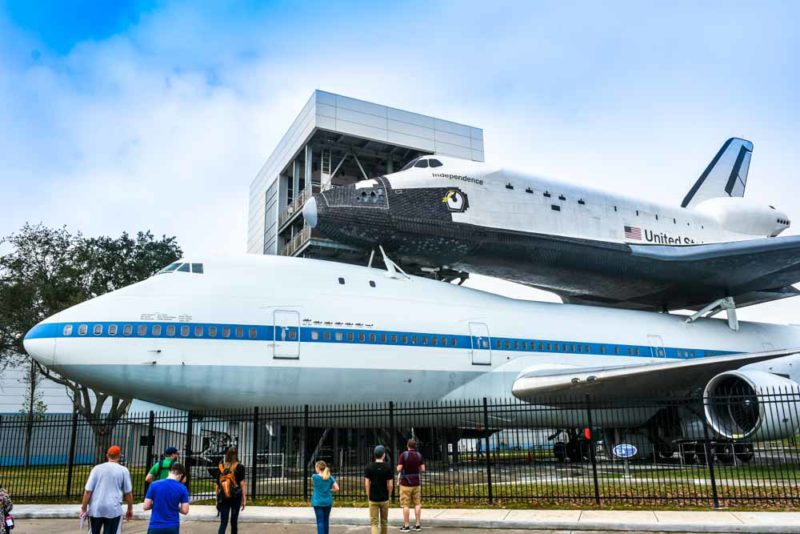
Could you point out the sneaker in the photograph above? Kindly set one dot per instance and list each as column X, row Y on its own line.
column 417, row 528
column 405, row 528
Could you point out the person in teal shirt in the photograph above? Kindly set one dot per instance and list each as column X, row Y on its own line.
column 322, row 498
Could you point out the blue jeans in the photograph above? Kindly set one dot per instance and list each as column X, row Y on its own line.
column 323, row 514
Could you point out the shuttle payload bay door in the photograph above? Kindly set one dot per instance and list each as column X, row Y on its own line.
column 287, row 334
column 481, row 344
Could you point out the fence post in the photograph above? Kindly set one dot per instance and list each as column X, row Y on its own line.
column 591, row 449
column 304, row 454
column 710, row 462
column 151, row 437
column 394, row 439
column 71, row 458
column 254, row 471
column 488, row 452
column 189, row 459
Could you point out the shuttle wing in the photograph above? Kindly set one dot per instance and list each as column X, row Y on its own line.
column 609, row 384
column 692, row 276
column 751, row 271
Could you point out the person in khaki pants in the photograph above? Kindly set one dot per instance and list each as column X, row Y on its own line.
column 378, row 482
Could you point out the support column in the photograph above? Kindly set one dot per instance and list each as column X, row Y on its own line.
column 295, row 180
column 309, row 168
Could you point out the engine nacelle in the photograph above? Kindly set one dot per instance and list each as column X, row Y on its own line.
column 743, row 216
column 753, row 405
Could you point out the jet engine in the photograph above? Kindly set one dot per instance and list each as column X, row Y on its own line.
column 751, row 404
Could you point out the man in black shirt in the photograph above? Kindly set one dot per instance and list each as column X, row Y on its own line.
column 379, row 481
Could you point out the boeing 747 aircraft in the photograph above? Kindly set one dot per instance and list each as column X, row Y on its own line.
column 277, row 331
column 716, row 249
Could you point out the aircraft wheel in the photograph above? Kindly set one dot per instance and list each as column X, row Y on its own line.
column 574, row 451
column 665, row 453
column 744, row 452
column 724, row 453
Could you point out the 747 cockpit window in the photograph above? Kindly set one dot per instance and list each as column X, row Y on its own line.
column 169, row 268
column 182, row 267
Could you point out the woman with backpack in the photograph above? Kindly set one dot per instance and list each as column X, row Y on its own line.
column 322, row 499
column 231, row 490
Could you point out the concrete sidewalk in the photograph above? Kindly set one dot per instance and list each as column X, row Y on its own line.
column 569, row 520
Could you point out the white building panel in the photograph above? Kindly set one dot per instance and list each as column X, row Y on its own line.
column 411, row 129
column 411, row 141
column 411, row 118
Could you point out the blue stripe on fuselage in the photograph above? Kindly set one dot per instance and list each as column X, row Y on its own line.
column 357, row 336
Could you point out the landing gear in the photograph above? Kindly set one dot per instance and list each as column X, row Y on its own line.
column 725, row 452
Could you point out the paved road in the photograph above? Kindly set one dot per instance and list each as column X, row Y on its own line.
column 63, row 526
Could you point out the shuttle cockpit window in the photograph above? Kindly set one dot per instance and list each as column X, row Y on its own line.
column 434, row 162
column 182, row 267
column 185, row 268
column 409, row 164
column 421, row 164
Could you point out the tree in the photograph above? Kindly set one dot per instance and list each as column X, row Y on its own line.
column 49, row 270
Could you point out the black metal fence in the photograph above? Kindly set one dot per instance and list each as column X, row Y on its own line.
column 737, row 449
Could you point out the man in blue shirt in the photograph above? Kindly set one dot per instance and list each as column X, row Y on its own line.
column 167, row 498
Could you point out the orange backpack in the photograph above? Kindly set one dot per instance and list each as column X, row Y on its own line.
column 227, row 488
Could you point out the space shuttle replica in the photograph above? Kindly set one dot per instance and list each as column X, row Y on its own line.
column 717, row 250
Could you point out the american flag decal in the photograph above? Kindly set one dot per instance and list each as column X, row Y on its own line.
column 633, row 232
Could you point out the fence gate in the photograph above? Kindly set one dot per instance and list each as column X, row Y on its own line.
column 481, row 344
column 287, row 334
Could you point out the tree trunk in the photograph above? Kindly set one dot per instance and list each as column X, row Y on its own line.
column 30, row 401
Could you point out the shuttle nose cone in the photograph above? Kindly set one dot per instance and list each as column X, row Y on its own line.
column 310, row 212
column 39, row 346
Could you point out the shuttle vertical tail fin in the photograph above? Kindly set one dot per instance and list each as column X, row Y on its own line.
column 725, row 176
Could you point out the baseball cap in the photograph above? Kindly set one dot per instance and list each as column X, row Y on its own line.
column 114, row 450
column 379, row 451
column 170, row 450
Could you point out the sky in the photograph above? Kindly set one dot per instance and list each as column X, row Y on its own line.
column 134, row 115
